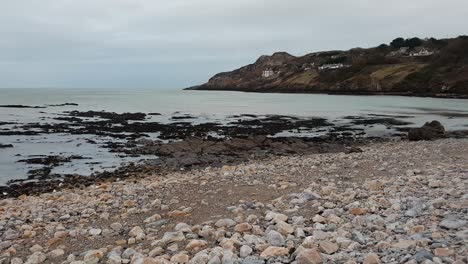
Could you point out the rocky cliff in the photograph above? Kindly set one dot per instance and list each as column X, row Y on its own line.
column 429, row 67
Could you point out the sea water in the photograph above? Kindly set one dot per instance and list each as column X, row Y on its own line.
column 206, row 105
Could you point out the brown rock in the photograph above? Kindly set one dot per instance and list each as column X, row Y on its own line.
column 429, row 131
column 375, row 185
column 196, row 245
column 443, row 252
column 328, row 247
column 309, row 256
column 371, row 258
column 272, row 251
column 243, row 227
column 177, row 213
column 180, row 258
column 358, row 211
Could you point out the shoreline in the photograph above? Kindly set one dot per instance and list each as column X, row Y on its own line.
column 354, row 93
column 183, row 145
column 395, row 201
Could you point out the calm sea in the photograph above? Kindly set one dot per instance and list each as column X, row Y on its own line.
column 208, row 106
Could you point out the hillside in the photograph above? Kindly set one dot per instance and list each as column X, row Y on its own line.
column 429, row 67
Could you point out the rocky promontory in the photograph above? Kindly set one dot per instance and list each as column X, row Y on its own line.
column 414, row 67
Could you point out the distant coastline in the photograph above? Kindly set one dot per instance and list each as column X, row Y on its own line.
column 412, row 67
column 353, row 93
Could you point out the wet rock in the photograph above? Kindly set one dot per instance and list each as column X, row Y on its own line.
column 429, row 131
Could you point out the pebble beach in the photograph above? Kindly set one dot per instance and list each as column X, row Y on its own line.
column 395, row 202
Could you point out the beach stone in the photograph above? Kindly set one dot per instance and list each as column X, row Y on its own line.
column 183, row 227
column 93, row 256
column 56, row 253
column 276, row 217
column 371, row 258
column 114, row 258
column 60, row 234
column 309, row 256
column 319, row 219
column 243, row 227
column 95, row 231
column 273, row 251
column 36, row 248
column 284, row 228
column 225, row 223
column 274, row 238
column 129, row 253
column 116, row 226
column 137, row 232
column 357, row 211
column 375, row 185
column 245, row 251
column 157, row 224
column 405, row 244
column 328, row 247
column 196, row 245
column 171, row 237
column 200, row 258
column 215, row 260
column 443, row 252
column 152, row 218
column 16, row 261
column 452, row 222
column 422, row 255
column 36, row 258
column 228, row 257
column 180, row 258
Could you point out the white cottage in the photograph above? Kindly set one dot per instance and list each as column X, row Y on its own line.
column 268, row 73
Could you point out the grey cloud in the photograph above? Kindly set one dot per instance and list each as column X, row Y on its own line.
column 161, row 44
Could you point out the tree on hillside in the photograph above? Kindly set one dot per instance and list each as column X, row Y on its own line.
column 398, row 43
column 382, row 47
column 413, row 42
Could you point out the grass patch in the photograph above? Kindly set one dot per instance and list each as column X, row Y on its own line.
column 306, row 77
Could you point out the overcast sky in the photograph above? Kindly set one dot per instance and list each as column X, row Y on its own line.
column 179, row 43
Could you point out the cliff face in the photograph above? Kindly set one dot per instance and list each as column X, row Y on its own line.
column 432, row 68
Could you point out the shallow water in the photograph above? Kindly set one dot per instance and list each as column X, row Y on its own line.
column 207, row 105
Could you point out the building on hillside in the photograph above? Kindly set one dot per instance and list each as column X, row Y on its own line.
column 308, row 66
column 400, row 52
column 331, row 66
column 268, row 73
column 421, row 53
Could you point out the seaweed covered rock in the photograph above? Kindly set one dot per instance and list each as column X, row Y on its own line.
column 429, row 131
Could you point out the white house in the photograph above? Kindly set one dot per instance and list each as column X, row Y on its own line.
column 268, row 73
column 331, row 66
column 421, row 53
column 401, row 52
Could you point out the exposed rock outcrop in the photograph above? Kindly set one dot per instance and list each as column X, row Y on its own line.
column 437, row 68
column 429, row 131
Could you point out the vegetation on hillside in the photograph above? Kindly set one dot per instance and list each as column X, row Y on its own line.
column 413, row 66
